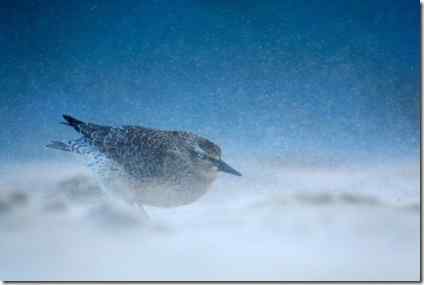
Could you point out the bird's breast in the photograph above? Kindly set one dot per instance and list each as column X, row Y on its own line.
column 173, row 193
column 172, row 186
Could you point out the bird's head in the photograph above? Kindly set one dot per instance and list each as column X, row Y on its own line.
column 208, row 154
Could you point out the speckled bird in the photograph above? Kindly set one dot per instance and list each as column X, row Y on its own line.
column 147, row 166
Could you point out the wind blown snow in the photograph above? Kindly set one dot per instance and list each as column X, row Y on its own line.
column 277, row 222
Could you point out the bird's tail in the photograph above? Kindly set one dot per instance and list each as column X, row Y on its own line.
column 79, row 146
column 60, row 146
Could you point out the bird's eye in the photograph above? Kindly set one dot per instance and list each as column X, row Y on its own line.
column 199, row 154
column 199, row 151
column 206, row 151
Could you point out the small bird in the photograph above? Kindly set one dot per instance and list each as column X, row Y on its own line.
column 147, row 166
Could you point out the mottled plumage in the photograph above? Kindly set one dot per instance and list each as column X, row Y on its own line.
column 148, row 166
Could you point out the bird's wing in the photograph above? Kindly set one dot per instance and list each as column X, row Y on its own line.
column 94, row 133
column 140, row 151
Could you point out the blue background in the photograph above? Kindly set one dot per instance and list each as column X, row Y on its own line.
column 263, row 78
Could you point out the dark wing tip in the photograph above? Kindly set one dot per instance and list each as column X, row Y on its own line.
column 71, row 121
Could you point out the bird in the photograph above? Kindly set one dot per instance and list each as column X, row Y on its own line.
column 146, row 166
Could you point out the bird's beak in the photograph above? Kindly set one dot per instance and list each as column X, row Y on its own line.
column 222, row 166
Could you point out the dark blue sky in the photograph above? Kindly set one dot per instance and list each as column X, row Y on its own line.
column 334, row 76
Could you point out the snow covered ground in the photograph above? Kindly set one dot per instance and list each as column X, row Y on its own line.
column 277, row 222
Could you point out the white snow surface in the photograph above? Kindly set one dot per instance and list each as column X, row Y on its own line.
column 285, row 222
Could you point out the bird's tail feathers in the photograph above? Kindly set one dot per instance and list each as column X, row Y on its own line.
column 59, row 145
